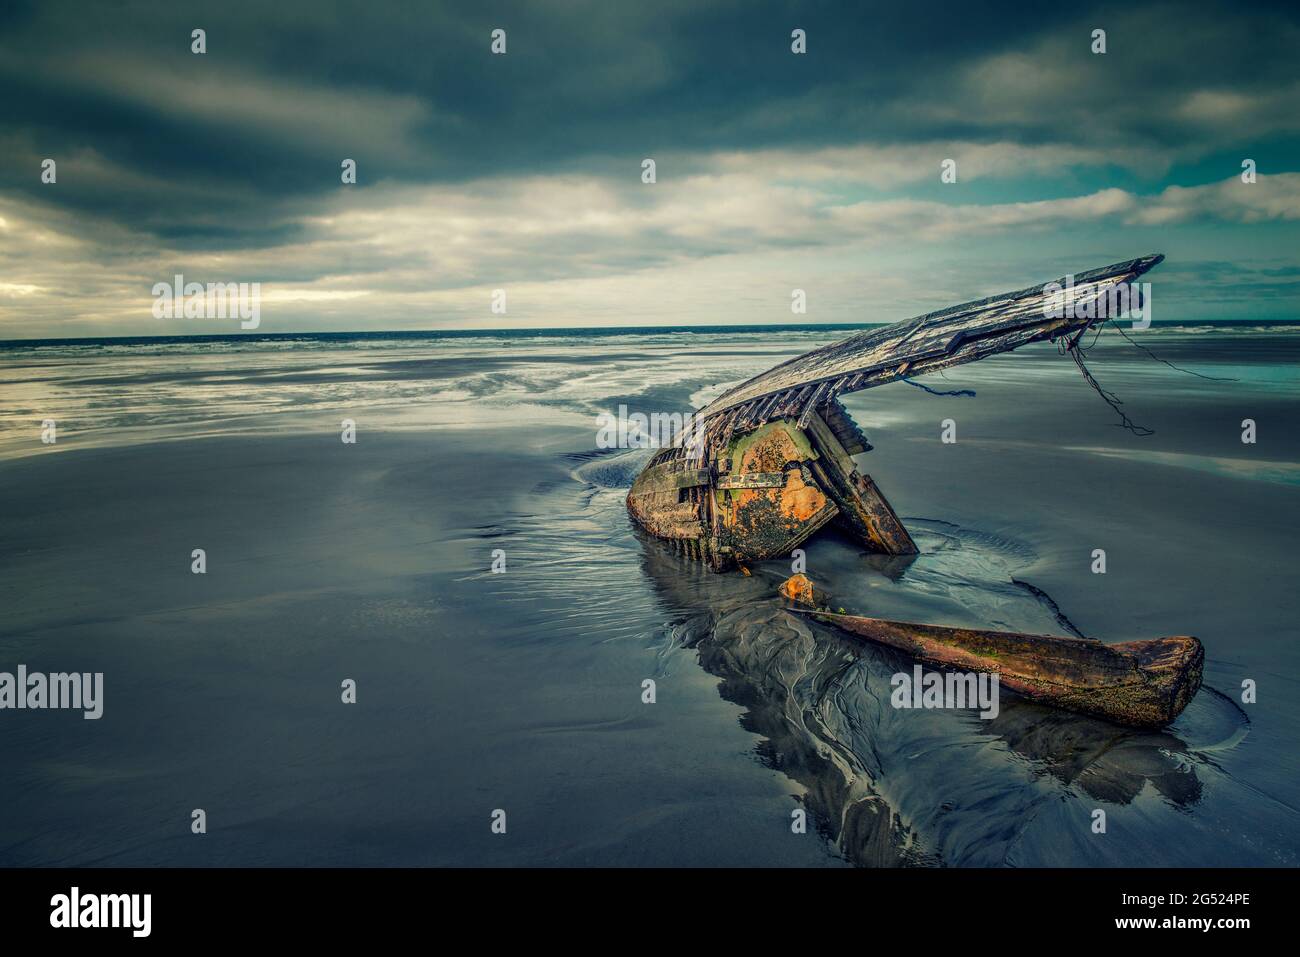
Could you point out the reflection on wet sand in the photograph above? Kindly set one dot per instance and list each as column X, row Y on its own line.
column 820, row 702
column 1107, row 762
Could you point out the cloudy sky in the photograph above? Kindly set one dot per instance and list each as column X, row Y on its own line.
column 775, row 171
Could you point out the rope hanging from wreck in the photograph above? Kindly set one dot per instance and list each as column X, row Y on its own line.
column 969, row 392
column 1078, row 351
column 1110, row 398
column 1137, row 345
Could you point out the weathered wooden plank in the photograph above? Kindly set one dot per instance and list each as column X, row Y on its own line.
column 958, row 334
column 666, row 520
column 667, row 478
column 887, row 530
column 765, row 409
column 845, row 429
column 752, row 480
column 863, row 508
column 825, row 442
column 810, row 407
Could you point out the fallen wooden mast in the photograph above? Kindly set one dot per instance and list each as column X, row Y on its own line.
column 1143, row 684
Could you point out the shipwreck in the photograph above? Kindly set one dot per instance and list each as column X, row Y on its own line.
column 771, row 461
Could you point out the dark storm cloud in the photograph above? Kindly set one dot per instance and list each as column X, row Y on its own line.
column 232, row 148
column 479, row 171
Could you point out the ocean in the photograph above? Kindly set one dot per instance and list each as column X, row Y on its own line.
column 519, row 695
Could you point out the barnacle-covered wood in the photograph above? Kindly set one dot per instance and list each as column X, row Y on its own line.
column 1144, row 684
column 760, row 518
column 928, row 343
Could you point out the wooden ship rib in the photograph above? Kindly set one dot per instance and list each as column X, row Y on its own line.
column 768, row 463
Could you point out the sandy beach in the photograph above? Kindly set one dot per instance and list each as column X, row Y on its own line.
column 522, row 691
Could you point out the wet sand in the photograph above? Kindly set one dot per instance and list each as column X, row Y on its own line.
column 328, row 562
column 522, row 690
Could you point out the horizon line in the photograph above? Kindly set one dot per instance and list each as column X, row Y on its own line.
column 532, row 330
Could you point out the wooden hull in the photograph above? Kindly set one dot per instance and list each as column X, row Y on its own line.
column 764, row 494
column 1144, row 684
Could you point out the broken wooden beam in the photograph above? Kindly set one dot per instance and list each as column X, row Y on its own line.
column 945, row 338
column 863, row 509
column 1142, row 684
